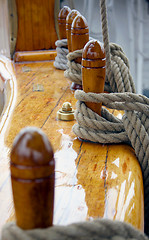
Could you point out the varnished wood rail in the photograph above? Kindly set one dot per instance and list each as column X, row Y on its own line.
column 92, row 180
column 32, row 56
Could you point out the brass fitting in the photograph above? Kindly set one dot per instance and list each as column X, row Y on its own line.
column 66, row 113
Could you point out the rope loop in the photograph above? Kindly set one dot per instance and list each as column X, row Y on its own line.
column 62, row 51
column 98, row 229
column 133, row 127
column 74, row 69
column 121, row 80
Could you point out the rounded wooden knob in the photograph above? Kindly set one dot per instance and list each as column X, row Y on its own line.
column 69, row 20
column 32, row 175
column 93, row 71
column 62, row 21
column 79, row 34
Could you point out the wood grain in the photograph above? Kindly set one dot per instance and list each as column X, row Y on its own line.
column 93, row 71
column 62, row 21
column 36, row 28
column 92, row 180
column 29, row 56
column 79, row 34
column 33, row 179
column 69, row 20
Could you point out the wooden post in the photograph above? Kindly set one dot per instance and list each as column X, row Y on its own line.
column 62, row 21
column 32, row 175
column 79, row 37
column 79, row 34
column 69, row 20
column 93, row 71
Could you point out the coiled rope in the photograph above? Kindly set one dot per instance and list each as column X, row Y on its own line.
column 74, row 72
column 102, row 229
column 74, row 69
column 134, row 126
column 62, row 51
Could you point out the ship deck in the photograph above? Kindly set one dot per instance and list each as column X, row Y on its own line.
column 86, row 173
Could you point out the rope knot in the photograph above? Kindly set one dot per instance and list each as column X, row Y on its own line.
column 131, row 128
column 117, row 72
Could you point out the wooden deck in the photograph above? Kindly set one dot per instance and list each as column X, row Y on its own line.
column 92, row 180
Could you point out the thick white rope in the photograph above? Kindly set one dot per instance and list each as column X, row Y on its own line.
column 134, row 127
column 137, row 134
column 101, row 229
column 62, row 51
column 74, row 69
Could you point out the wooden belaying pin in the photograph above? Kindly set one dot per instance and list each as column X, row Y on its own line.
column 79, row 37
column 93, row 71
column 69, row 20
column 79, row 34
column 62, row 21
column 32, row 174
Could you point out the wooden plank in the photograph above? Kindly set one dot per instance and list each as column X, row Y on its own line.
column 36, row 28
column 20, row 44
column 121, row 188
column 85, row 172
column 29, row 56
column 46, row 25
column 28, row 26
column 52, row 26
column 35, row 24
column 42, row 28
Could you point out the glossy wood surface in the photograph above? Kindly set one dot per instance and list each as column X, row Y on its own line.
column 92, row 180
column 79, row 34
column 29, row 56
column 93, row 71
column 36, row 27
column 69, row 20
column 63, row 13
column 32, row 168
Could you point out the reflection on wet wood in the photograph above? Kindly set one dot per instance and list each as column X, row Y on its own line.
column 29, row 56
column 62, row 21
column 93, row 71
column 69, row 20
column 79, row 34
column 92, row 180
column 32, row 167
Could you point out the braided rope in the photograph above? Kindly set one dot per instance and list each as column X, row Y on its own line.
column 74, row 69
column 102, row 229
column 134, row 126
column 138, row 132
column 74, row 72
column 62, row 51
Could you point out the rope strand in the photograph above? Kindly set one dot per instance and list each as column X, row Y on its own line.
column 62, row 51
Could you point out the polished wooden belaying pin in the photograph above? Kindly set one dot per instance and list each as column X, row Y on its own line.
column 79, row 37
column 32, row 174
column 69, row 20
column 79, row 34
column 62, row 21
column 93, row 71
